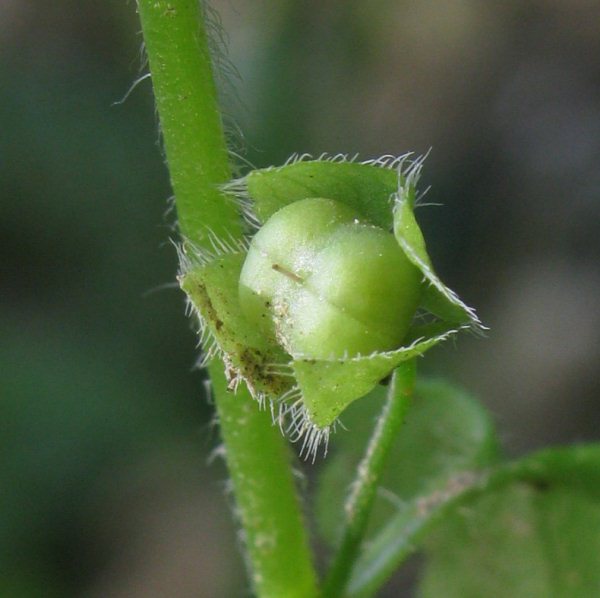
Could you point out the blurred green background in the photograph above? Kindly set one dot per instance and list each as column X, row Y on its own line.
column 105, row 429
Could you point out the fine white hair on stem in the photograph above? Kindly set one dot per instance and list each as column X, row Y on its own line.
column 170, row 211
column 139, row 80
column 219, row 452
column 227, row 79
column 207, row 385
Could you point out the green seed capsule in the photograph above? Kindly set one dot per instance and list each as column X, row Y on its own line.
column 325, row 283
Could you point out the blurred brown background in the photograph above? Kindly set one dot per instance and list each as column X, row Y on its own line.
column 104, row 429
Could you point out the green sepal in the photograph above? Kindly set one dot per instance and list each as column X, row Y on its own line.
column 212, row 288
column 328, row 387
column 437, row 298
column 366, row 187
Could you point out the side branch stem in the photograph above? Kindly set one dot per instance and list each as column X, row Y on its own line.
column 360, row 500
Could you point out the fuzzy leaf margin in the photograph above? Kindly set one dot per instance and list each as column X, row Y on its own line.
column 329, row 386
column 212, row 289
column 368, row 187
column 438, row 299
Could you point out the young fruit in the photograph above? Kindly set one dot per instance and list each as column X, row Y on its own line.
column 318, row 309
column 325, row 283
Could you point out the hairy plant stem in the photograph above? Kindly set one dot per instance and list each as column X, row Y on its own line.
column 360, row 500
column 257, row 456
column 190, row 120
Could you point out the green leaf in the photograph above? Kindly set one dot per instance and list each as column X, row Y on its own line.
column 524, row 541
column 368, row 188
column 571, row 470
column 446, row 431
